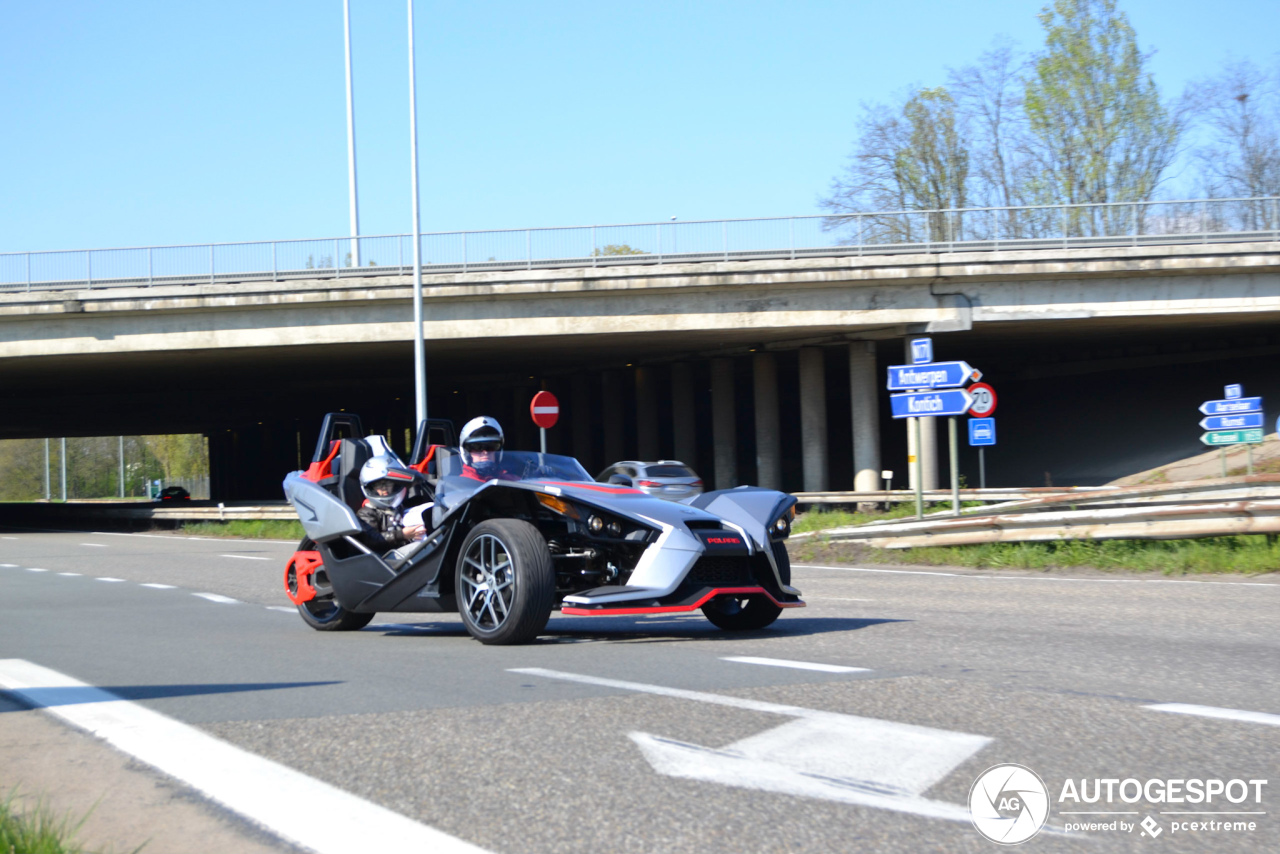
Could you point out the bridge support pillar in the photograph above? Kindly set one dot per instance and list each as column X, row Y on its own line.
column 864, row 395
column 723, row 428
column 646, row 414
column 928, row 450
column 768, row 439
column 683, row 419
column 813, row 419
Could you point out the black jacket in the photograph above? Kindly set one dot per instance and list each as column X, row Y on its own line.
column 384, row 529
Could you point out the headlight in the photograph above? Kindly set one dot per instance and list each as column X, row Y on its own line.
column 596, row 524
column 780, row 526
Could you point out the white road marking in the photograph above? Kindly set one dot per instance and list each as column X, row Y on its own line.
column 1034, row 577
column 70, row 574
column 823, row 755
column 245, row 557
column 837, row 599
column 108, row 578
column 154, row 586
column 9, row 565
column 36, row 569
column 214, row 597
column 9, row 538
column 280, row 799
column 1215, row 712
column 796, row 665
column 282, row 608
column 94, row 545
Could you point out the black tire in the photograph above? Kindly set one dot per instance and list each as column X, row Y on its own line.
column 741, row 614
column 323, row 613
column 505, row 582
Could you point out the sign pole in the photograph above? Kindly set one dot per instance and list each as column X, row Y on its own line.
column 1249, row 451
column 982, row 468
column 543, row 431
column 1224, row 461
column 955, row 467
column 919, row 473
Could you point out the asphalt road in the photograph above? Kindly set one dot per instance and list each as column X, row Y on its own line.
column 643, row 735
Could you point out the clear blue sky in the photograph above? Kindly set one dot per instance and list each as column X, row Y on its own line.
column 149, row 123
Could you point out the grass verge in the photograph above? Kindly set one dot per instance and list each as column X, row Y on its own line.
column 1245, row 554
column 264, row 529
column 36, row 831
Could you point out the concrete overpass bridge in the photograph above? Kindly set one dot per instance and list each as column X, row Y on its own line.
column 765, row 368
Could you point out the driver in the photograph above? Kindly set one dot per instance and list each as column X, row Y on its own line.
column 385, row 483
column 481, row 443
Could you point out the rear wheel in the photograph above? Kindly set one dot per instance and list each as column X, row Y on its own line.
column 505, row 582
column 322, row 612
column 741, row 613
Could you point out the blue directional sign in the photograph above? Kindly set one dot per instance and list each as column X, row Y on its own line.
column 982, row 431
column 921, row 350
column 931, row 375
column 920, row 404
column 1231, row 407
column 1231, row 422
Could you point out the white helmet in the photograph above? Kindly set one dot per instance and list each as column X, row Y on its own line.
column 385, row 482
column 482, row 434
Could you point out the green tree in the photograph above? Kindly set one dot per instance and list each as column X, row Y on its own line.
column 614, row 249
column 1098, row 130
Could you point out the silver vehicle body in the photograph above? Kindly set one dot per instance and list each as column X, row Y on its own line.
column 669, row 479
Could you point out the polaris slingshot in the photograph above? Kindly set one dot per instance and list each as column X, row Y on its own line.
column 506, row 552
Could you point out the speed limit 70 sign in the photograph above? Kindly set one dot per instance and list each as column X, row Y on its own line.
column 984, row 400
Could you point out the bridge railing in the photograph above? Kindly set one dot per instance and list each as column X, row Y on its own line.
column 871, row 233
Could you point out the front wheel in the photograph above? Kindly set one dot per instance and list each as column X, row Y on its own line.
column 741, row 613
column 308, row 586
column 505, row 582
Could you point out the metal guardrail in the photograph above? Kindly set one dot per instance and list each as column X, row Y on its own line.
column 872, row 233
column 1209, row 508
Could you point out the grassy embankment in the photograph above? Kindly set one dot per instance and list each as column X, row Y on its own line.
column 265, row 529
column 1250, row 555
column 37, row 830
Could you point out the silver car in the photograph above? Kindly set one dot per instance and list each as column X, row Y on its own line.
column 670, row 479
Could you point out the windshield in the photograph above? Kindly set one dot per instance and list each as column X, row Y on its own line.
column 524, row 465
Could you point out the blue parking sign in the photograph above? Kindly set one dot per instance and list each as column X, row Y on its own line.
column 982, row 432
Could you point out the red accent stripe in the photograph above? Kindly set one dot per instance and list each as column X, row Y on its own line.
column 672, row 609
column 596, row 487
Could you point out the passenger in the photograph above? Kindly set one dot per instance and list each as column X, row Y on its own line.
column 385, row 483
column 481, row 443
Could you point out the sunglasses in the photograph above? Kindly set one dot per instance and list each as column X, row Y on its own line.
column 484, row 446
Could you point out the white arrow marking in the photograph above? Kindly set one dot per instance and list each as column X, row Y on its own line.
column 823, row 755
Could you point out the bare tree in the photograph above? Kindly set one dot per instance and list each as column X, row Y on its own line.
column 912, row 158
column 1241, row 108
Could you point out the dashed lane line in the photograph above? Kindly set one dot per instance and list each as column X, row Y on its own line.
column 70, row 574
column 109, row 579
column 36, row 569
column 1215, row 712
column 157, row 586
column 280, row 799
column 794, row 665
column 214, row 597
column 94, row 545
column 245, row 557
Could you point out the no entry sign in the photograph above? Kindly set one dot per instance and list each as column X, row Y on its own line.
column 545, row 409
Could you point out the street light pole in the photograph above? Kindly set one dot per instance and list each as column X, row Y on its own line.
column 419, row 348
column 351, row 143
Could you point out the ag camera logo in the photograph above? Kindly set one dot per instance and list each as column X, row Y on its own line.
column 1008, row 804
